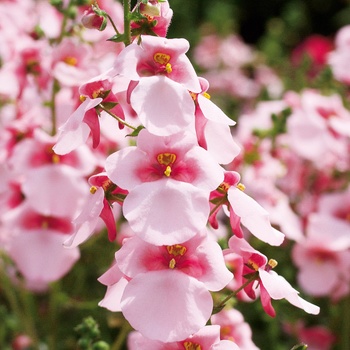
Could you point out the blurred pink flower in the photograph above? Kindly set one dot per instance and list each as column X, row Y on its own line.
column 36, row 246
column 207, row 338
column 233, row 327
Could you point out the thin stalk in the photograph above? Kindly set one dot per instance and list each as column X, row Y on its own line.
column 123, row 333
column 233, row 294
column 117, row 118
column 127, row 28
column 112, row 23
column 55, row 88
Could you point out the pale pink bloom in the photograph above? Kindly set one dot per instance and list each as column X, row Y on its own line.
column 213, row 127
column 323, row 256
column 234, row 328
column 47, row 18
column 244, row 210
column 207, row 338
column 36, row 151
column 55, row 190
column 71, row 63
column 76, row 130
column 199, row 257
column 159, row 68
column 339, row 57
column 158, row 56
column 214, row 52
column 35, row 245
column 170, row 280
column 86, row 118
column 269, row 283
column 318, row 131
column 166, row 305
column 169, row 180
column 99, row 205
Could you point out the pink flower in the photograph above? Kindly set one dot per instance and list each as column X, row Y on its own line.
column 85, row 119
column 72, row 63
column 206, row 338
column 315, row 48
column 271, row 285
column 233, row 327
column 318, row 129
column 242, row 209
column 43, row 234
column 339, row 57
column 169, row 180
column 99, row 205
column 324, row 255
column 159, row 70
column 172, row 284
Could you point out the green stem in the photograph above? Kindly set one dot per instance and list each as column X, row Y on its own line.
column 19, row 301
column 127, row 28
column 117, row 118
column 55, row 88
column 123, row 333
column 112, row 23
column 53, row 315
column 233, row 294
column 64, row 22
column 345, row 325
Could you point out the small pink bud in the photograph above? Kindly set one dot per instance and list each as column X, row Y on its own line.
column 92, row 20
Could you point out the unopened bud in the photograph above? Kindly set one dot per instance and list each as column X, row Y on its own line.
column 92, row 20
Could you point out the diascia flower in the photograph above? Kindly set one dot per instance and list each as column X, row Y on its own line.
column 104, row 193
column 271, row 285
column 242, row 210
column 84, row 121
column 169, row 180
column 171, row 285
column 159, row 70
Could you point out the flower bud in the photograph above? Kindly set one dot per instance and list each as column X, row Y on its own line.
column 93, row 20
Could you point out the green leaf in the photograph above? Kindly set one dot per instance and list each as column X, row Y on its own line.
column 118, row 38
column 136, row 131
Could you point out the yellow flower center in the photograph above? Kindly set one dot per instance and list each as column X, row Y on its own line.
column 175, row 250
column 253, row 265
column 188, row 345
column 163, row 59
column 70, row 60
column 167, row 159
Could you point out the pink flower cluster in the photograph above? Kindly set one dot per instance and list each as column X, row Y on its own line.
column 143, row 133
